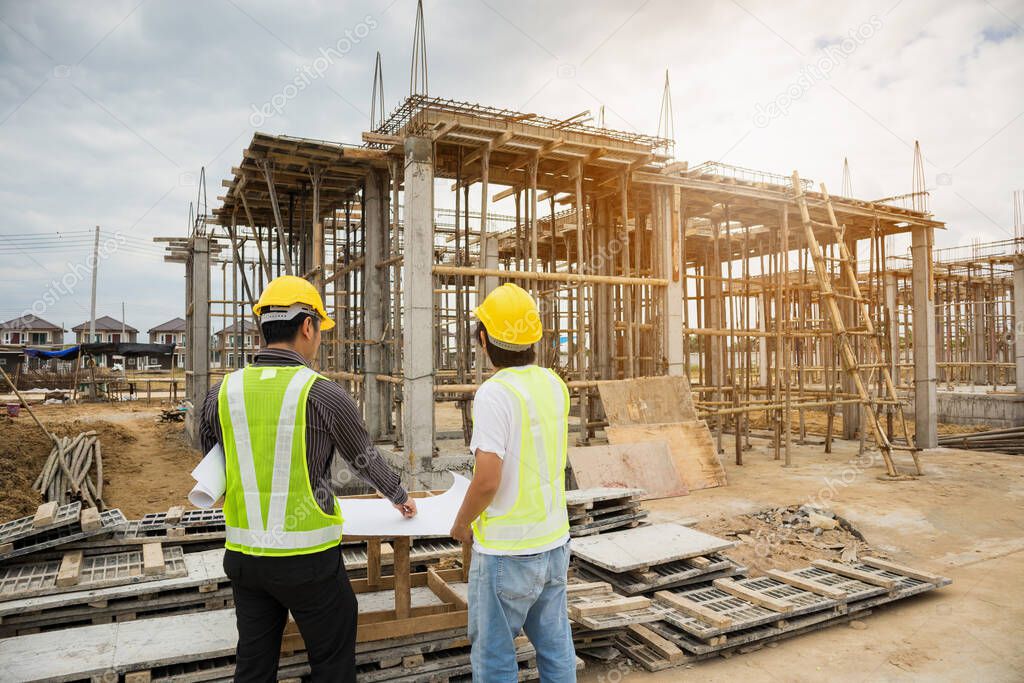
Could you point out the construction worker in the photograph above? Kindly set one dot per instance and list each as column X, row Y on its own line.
column 280, row 424
column 514, row 511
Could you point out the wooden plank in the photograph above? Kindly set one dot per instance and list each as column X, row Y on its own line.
column 403, row 599
column 660, row 645
column 46, row 514
column 879, row 563
column 647, row 400
column 740, row 591
column 851, row 573
column 807, row 584
column 70, row 568
column 643, row 547
column 693, row 609
column 589, row 588
column 153, row 559
column 373, row 562
column 90, row 519
column 443, row 591
column 690, row 443
column 612, row 605
column 648, row 465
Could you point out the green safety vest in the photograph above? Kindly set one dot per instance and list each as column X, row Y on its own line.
column 269, row 507
column 539, row 515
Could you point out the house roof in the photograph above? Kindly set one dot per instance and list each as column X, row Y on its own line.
column 172, row 325
column 246, row 326
column 104, row 324
column 28, row 321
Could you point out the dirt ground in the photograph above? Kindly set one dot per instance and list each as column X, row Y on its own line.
column 964, row 519
column 146, row 464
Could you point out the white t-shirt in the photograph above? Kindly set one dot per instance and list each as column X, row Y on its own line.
column 497, row 424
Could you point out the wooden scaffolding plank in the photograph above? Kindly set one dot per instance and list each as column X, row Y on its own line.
column 693, row 450
column 647, row 465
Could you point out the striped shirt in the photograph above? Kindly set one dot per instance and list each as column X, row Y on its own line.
column 333, row 425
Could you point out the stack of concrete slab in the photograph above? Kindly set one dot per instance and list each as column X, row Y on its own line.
column 647, row 559
column 599, row 510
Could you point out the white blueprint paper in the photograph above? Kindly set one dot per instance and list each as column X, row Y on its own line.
column 209, row 475
column 378, row 517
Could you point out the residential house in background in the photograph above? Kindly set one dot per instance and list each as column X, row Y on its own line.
column 108, row 331
column 235, row 345
column 170, row 332
column 30, row 330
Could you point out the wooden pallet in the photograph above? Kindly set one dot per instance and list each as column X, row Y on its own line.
column 663, row 576
column 713, row 614
column 76, row 571
column 19, row 537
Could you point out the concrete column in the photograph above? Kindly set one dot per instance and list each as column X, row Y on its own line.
column 979, row 337
column 198, row 341
column 925, row 396
column 1018, row 315
column 672, row 270
column 418, row 315
column 374, row 299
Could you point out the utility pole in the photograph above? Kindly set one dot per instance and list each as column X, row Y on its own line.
column 92, row 314
column 95, row 267
column 123, row 332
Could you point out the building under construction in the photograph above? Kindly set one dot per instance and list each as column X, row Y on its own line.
column 775, row 298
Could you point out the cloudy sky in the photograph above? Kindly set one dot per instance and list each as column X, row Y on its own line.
column 109, row 109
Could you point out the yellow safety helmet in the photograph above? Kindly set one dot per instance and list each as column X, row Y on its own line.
column 511, row 318
column 286, row 296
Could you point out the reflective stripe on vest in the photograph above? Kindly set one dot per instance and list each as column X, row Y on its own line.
column 539, row 515
column 269, row 506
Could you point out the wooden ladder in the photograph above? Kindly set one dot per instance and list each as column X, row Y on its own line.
column 843, row 332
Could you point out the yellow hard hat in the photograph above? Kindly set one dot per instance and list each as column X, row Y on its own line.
column 511, row 318
column 286, row 296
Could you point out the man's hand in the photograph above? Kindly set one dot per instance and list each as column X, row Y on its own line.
column 462, row 533
column 408, row 508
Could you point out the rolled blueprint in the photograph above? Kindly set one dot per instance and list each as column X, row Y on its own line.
column 209, row 476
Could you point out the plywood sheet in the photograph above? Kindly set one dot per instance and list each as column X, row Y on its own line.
column 647, row 400
column 647, row 465
column 646, row 546
column 690, row 443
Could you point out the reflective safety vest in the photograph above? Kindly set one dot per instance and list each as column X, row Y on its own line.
column 539, row 515
column 269, row 507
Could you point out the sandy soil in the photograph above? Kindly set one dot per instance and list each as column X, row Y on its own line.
column 964, row 519
column 146, row 464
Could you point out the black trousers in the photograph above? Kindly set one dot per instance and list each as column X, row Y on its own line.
column 316, row 590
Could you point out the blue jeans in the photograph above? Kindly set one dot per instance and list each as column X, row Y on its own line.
column 509, row 593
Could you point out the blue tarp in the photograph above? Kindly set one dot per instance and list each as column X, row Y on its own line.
column 69, row 353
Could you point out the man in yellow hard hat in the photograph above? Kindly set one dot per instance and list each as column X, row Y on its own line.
column 514, row 512
column 280, row 424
